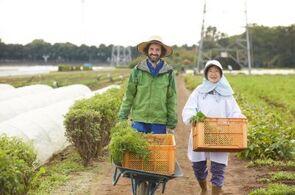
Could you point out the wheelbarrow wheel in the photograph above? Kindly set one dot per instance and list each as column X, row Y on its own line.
column 142, row 188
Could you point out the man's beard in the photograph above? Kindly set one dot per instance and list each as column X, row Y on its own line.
column 154, row 58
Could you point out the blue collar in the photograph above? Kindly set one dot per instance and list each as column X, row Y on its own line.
column 155, row 71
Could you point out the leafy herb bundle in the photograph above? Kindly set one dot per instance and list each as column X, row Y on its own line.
column 124, row 138
column 198, row 117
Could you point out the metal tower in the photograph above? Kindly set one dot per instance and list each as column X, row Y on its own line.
column 248, row 40
column 120, row 55
column 200, row 51
column 82, row 34
column 239, row 51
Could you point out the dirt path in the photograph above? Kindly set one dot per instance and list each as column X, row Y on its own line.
column 239, row 180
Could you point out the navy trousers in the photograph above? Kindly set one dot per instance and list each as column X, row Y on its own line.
column 217, row 170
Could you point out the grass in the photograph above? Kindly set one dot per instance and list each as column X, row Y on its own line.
column 280, row 176
column 269, row 89
column 57, row 172
column 275, row 189
column 272, row 163
column 60, row 170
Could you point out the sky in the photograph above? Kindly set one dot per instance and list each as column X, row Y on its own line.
column 129, row 22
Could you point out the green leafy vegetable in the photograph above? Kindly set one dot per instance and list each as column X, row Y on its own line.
column 199, row 117
column 124, row 138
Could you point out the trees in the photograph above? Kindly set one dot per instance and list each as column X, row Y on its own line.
column 36, row 49
column 272, row 47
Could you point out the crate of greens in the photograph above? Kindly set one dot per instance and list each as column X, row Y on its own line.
column 219, row 134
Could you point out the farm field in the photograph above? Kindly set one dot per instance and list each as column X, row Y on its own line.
column 93, row 79
column 269, row 104
column 267, row 166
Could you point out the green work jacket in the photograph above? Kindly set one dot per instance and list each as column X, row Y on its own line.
column 150, row 99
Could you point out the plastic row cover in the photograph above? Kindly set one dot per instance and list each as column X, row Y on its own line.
column 43, row 127
column 5, row 87
column 23, row 91
column 13, row 107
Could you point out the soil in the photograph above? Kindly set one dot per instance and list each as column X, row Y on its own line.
column 239, row 179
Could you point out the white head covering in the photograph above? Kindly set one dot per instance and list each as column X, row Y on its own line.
column 222, row 86
column 212, row 63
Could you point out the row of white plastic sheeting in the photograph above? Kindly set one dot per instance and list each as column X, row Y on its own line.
column 100, row 91
column 43, row 127
column 15, row 106
column 5, row 88
column 23, row 91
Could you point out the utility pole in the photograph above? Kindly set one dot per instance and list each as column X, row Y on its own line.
column 82, row 37
column 248, row 40
column 240, row 51
column 200, row 54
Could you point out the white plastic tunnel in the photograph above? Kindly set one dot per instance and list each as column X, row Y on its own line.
column 15, row 106
column 5, row 88
column 44, row 127
column 22, row 91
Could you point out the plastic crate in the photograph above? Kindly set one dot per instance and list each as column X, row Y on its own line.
column 161, row 158
column 220, row 134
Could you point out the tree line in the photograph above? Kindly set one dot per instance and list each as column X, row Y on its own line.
column 270, row 47
column 39, row 51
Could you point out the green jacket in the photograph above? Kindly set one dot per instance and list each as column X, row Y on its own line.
column 150, row 99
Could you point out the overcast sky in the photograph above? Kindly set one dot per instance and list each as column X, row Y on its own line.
column 128, row 22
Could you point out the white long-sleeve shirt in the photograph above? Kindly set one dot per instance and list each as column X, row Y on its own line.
column 212, row 105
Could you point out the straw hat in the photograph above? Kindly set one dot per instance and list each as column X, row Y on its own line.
column 142, row 47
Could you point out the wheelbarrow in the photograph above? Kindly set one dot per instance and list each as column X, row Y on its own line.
column 142, row 182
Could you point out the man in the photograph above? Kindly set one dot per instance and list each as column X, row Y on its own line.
column 151, row 91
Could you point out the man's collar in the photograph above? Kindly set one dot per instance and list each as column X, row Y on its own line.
column 143, row 66
column 153, row 62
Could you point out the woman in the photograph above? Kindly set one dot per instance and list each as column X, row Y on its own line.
column 214, row 97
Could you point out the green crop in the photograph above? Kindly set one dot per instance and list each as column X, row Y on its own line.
column 199, row 117
column 123, row 139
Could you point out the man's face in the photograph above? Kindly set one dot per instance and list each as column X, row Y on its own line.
column 154, row 52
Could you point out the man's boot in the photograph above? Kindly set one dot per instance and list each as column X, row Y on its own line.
column 216, row 190
column 203, row 185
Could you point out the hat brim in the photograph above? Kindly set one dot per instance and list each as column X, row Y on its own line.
column 141, row 47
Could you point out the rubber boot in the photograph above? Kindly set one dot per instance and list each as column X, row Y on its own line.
column 216, row 190
column 203, row 185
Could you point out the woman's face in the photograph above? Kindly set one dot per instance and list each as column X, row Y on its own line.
column 213, row 74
